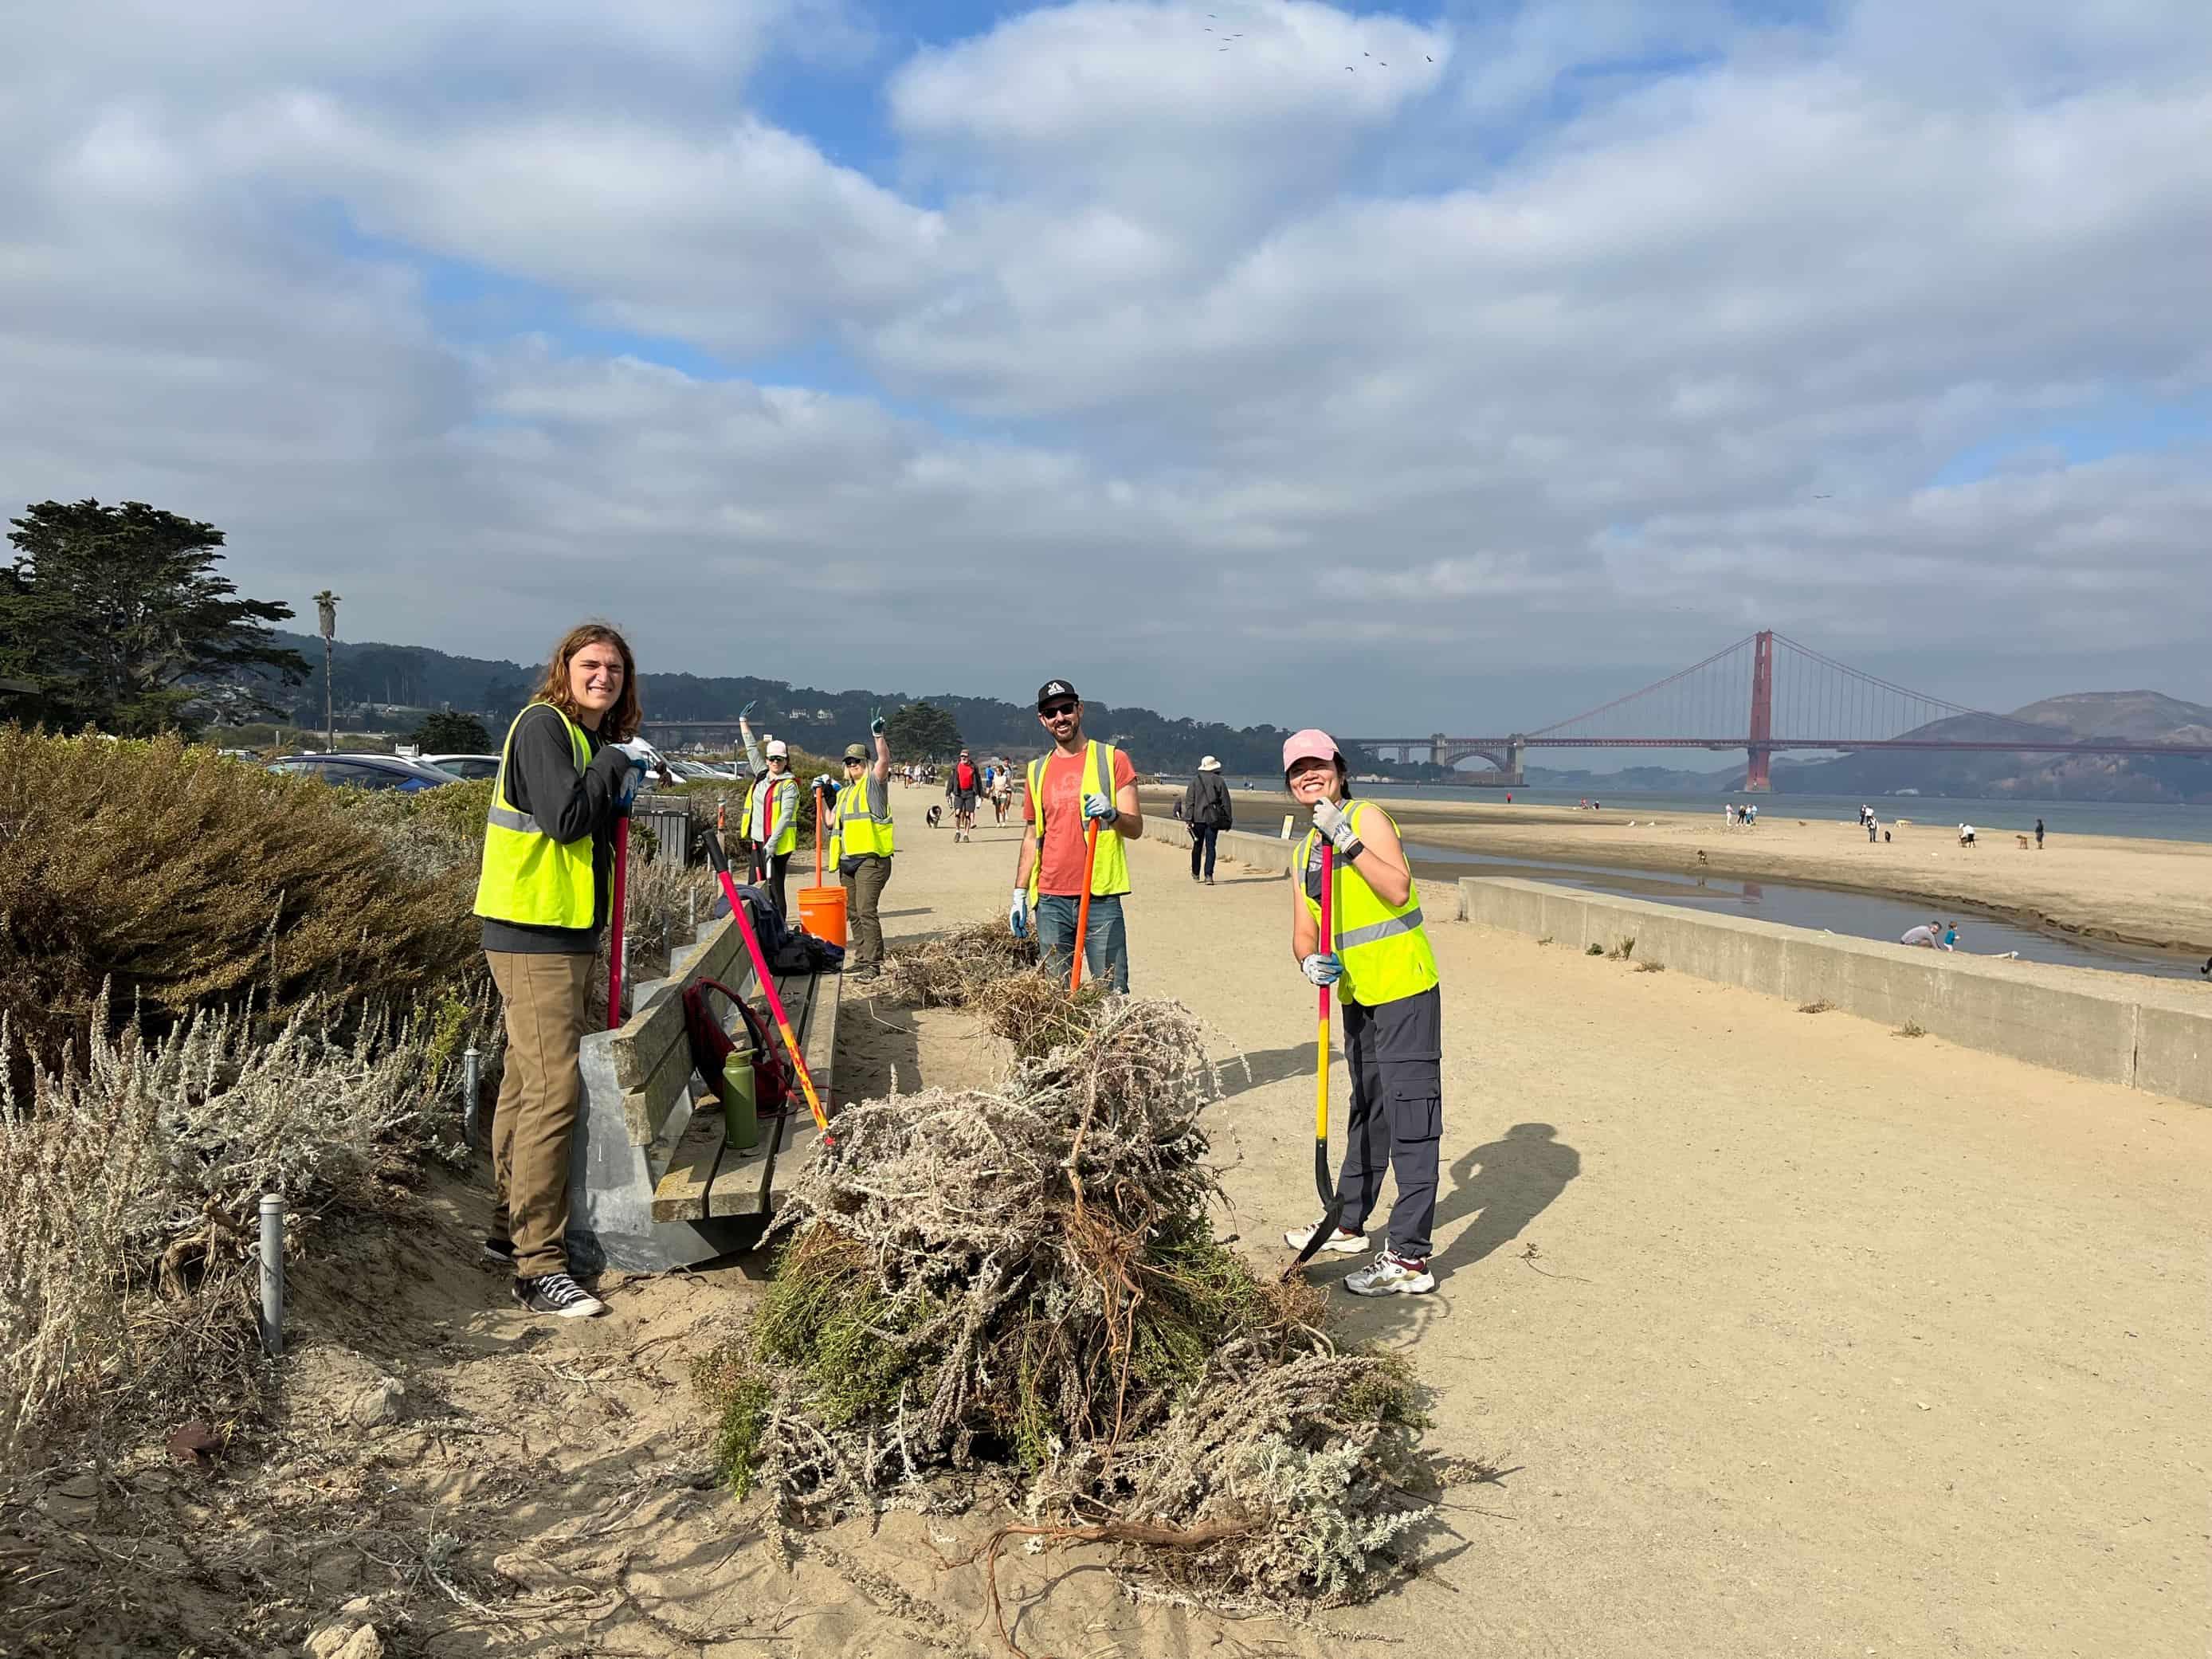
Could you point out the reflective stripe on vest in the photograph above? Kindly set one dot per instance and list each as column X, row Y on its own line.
column 1109, row 871
column 1385, row 952
column 858, row 830
column 772, row 804
column 526, row 876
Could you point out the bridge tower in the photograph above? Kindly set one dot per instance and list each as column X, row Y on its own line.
column 1760, row 777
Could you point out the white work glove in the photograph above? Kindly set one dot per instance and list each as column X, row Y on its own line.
column 1096, row 806
column 1322, row 967
column 825, row 781
column 1017, row 914
column 641, row 753
column 1331, row 820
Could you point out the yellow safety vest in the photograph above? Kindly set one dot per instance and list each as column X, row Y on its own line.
column 1109, row 871
column 1386, row 955
column 858, row 830
column 772, row 800
column 527, row 876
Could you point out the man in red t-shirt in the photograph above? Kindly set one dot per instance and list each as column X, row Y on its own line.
column 1071, row 798
column 964, row 785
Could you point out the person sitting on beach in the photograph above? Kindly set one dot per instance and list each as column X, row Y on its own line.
column 1926, row 935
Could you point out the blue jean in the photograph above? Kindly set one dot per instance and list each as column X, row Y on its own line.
column 1203, row 836
column 1105, row 940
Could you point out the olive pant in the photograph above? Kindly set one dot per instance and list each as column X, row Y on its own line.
column 864, row 891
column 534, row 1125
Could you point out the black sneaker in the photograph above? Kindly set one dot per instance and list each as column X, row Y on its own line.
column 500, row 1252
column 557, row 1294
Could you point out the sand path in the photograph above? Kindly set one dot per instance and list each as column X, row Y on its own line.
column 1831, row 1342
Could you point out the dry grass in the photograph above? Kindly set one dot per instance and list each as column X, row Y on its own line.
column 1020, row 1290
column 952, row 970
column 1911, row 1028
column 1815, row 1007
column 128, row 1189
column 186, row 879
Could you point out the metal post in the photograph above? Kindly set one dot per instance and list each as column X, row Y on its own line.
column 272, row 1275
column 326, row 616
column 693, row 896
column 471, row 1081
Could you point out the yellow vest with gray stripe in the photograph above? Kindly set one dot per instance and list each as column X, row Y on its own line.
column 858, row 830
column 772, row 800
column 1110, row 869
column 1386, row 955
column 527, row 876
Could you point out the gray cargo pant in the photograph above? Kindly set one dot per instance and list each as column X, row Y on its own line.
column 1395, row 1055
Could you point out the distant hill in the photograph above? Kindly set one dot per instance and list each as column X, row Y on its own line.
column 2135, row 716
column 382, row 687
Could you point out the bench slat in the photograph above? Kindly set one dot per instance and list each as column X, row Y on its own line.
column 681, row 1194
column 742, row 1188
column 647, row 1108
column 802, row 1139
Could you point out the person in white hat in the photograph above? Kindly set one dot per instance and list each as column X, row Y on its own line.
column 1379, row 961
column 770, row 825
column 1205, row 809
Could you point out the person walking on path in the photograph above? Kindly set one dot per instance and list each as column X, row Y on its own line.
column 569, row 763
column 1205, row 809
column 1076, row 784
column 770, row 825
column 1385, row 976
column 861, row 845
column 963, row 785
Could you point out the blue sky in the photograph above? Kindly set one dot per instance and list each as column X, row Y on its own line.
column 949, row 340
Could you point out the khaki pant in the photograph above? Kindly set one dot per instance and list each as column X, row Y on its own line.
column 864, row 892
column 535, row 1121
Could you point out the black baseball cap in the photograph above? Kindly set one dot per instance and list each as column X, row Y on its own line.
column 1053, row 690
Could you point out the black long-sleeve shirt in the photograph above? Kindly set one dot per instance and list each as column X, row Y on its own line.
column 541, row 779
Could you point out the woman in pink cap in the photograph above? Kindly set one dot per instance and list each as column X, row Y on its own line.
column 1385, row 976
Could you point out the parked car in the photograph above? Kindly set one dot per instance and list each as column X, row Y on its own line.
column 473, row 767
column 365, row 771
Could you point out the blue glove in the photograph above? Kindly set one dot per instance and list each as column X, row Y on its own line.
column 1096, row 806
column 876, row 722
column 746, row 713
column 1323, row 967
column 1017, row 916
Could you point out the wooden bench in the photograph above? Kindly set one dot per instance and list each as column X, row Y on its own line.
column 708, row 1178
column 652, row 1186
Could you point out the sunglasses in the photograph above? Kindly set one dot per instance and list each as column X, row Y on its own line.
column 1058, row 710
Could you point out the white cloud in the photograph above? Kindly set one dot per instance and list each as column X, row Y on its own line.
column 1193, row 364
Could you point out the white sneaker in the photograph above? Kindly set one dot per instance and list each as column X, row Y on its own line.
column 1339, row 1243
column 1389, row 1276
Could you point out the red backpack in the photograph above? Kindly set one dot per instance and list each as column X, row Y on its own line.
column 712, row 1047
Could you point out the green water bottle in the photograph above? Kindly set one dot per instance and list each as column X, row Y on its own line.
column 740, row 1115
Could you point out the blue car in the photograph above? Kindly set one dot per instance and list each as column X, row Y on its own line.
column 365, row 771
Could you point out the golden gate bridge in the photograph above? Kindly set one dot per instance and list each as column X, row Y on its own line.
column 1762, row 695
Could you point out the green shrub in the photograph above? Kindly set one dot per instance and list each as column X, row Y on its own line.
column 185, row 879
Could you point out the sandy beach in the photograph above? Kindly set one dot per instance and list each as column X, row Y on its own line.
column 1801, row 1338
column 1788, row 1335
column 2151, row 893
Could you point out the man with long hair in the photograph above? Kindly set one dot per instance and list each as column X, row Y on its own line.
column 569, row 763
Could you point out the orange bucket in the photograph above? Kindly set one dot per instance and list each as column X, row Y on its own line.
column 822, row 913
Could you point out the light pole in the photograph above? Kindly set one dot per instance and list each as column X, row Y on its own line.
column 326, row 612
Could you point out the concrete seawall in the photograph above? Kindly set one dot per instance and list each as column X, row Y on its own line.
column 2020, row 1010
column 1259, row 851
